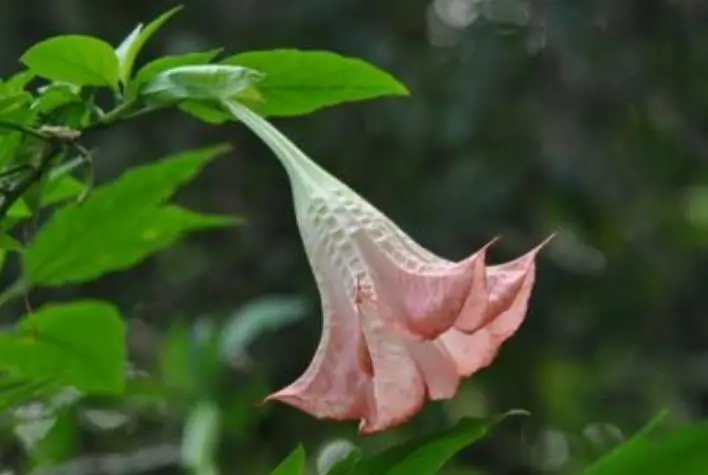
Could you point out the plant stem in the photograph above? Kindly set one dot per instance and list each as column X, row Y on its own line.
column 36, row 173
column 25, row 130
column 16, row 290
column 14, row 170
column 58, row 144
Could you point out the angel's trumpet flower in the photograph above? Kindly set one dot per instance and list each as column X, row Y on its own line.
column 400, row 324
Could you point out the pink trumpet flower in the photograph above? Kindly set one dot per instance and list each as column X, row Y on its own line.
column 400, row 325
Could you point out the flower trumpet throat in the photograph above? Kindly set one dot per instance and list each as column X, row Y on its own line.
column 401, row 325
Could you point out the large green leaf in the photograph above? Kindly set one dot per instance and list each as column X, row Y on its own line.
column 294, row 464
column 299, row 82
column 129, row 49
column 635, row 445
column 121, row 243
column 426, row 456
column 119, row 225
column 78, row 344
column 76, row 59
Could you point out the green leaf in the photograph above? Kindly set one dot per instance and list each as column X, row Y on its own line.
column 56, row 95
column 683, row 452
column 339, row 458
column 15, row 109
column 76, row 59
column 120, row 244
column 41, row 423
column 201, row 436
column 623, row 458
column 18, row 82
column 201, row 82
column 294, row 464
column 79, row 344
column 61, row 189
column 169, row 223
column 8, row 243
column 15, row 391
column 155, row 182
column 120, row 224
column 153, row 68
column 426, row 456
column 129, row 49
column 205, row 112
column 59, row 443
column 175, row 361
column 56, row 190
column 299, row 82
column 257, row 317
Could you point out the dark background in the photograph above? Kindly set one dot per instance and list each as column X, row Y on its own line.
column 588, row 118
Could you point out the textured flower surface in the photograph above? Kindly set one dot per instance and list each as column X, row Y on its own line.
column 400, row 325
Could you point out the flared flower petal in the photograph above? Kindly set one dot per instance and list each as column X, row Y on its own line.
column 422, row 302
column 332, row 386
column 401, row 325
column 509, row 290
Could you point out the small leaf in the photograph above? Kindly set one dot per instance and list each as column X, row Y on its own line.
column 426, row 456
column 43, row 424
column 76, row 59
column 294, row 464
column 257, row 317
column 8, row 243
column 60, row 442
column 30, row 433
column 15, row 391
column 60, row 189
column 55, row 96
column 131, row 46
column 205, row 112
column 120, row 224
column 105, row 419
column 299, row 82
column 78, row 344
column 15, row 109
column 205, row 82
column 175, row 361
column 338, row 458
column 18, row 82
column 201, row 436
column 56, row 190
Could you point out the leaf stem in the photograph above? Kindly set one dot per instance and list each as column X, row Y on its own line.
column 60, row 138
column 35, row 174
column 25, row 130
column 16, row 290
column 14, row 170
